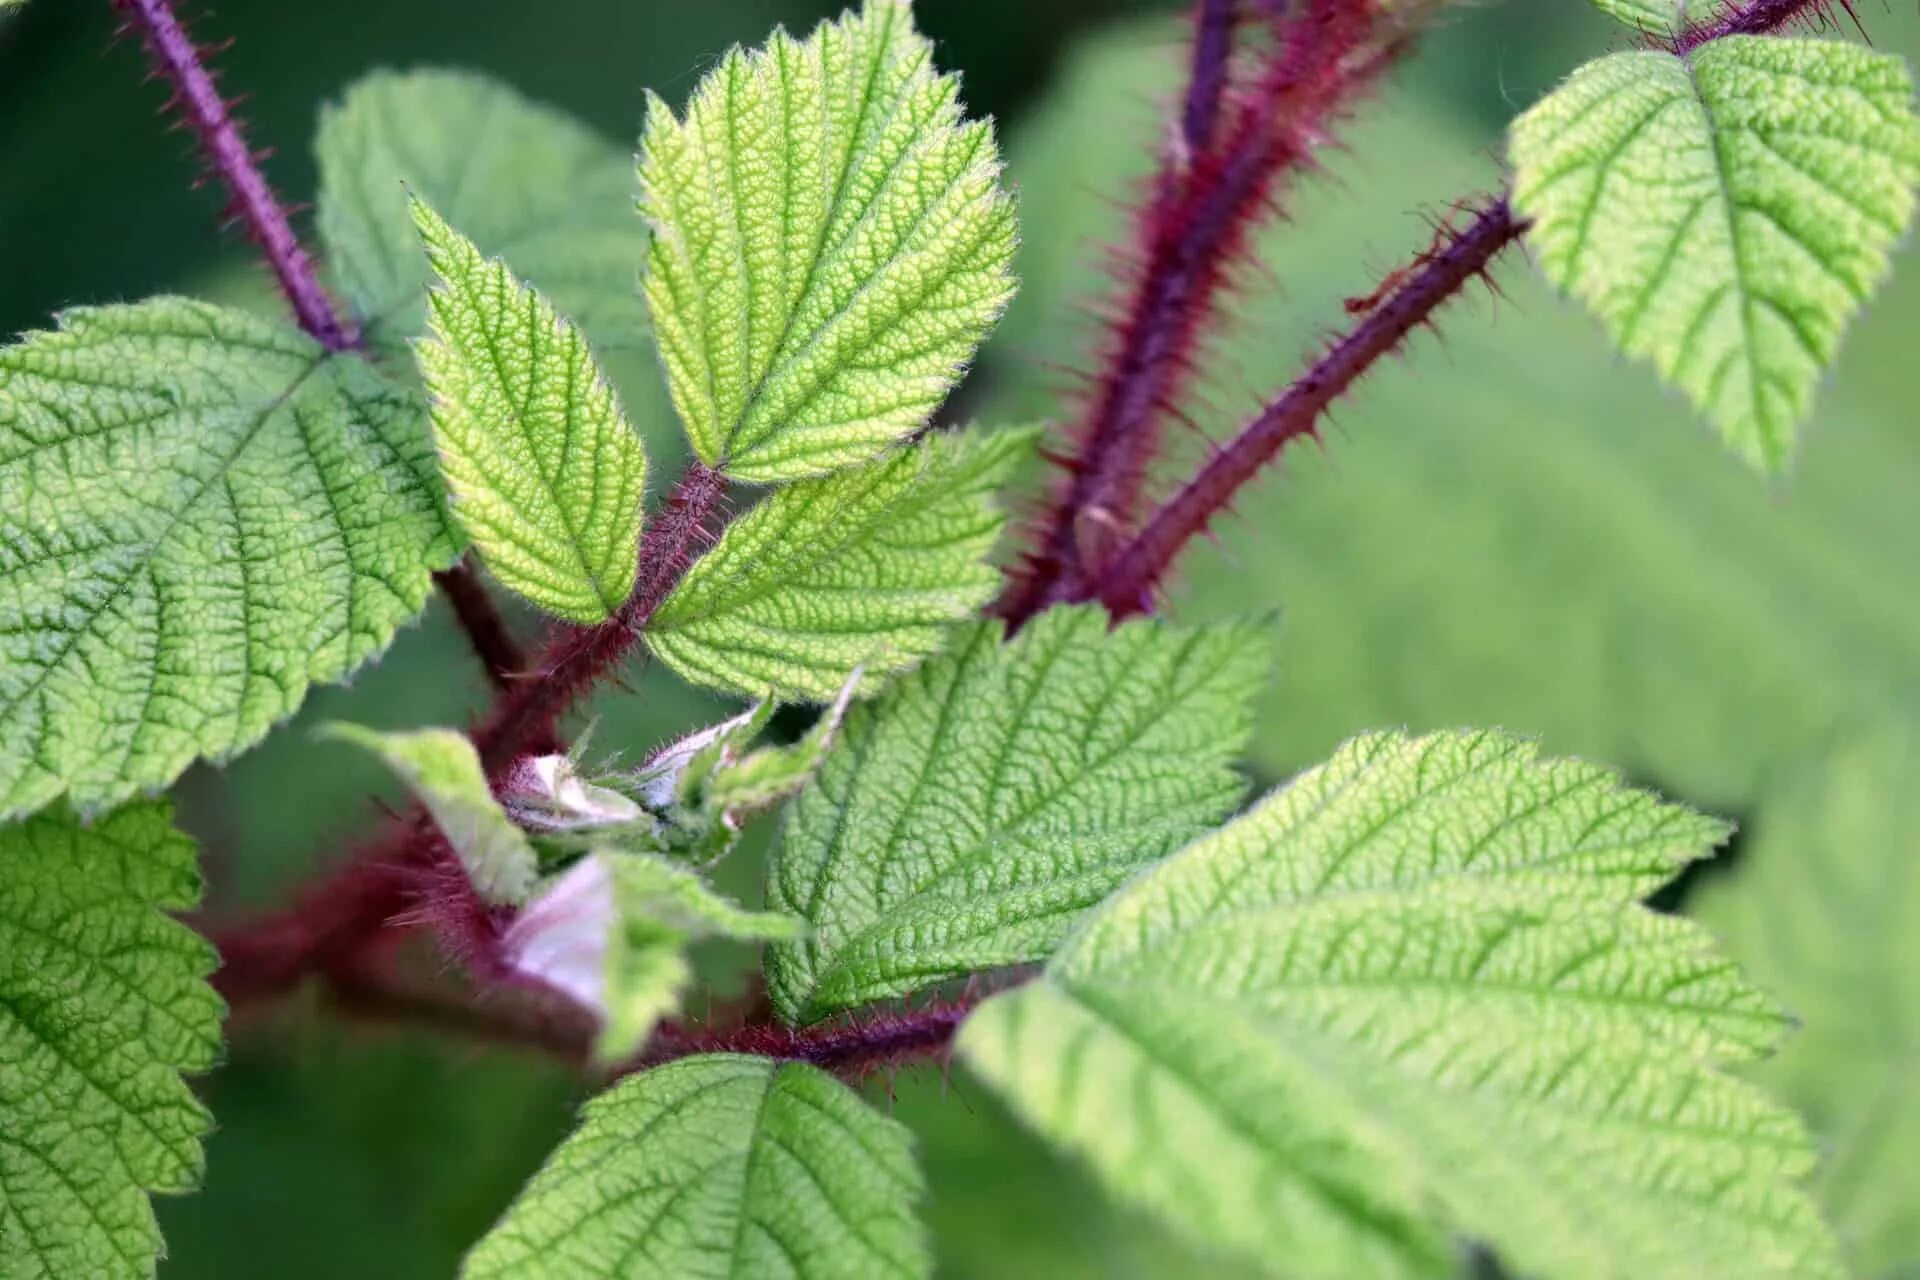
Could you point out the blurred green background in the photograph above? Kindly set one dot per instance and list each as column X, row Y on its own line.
column 1509, row 526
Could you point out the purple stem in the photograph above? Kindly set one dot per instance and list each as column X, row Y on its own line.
column 1756, row 17
column 1126, row 585
column 1207, row 79
column 177, row 60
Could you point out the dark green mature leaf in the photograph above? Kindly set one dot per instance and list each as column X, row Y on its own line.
column 1725, row 213
column 103, row 1003
column 1506, row 526
column 528, row 183
column 864, row 570
column 718, row 1166
column 201, row 514
column 1409, row 994
column 830, row 245
column 542, row 467
column 1825, row 909
column 966, row 819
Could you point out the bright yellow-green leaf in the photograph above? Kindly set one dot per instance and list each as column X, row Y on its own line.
column 542, row 468
column 830, row 244
column 1725, row 213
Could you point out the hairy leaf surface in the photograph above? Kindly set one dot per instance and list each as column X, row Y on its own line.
column 1726, row 213
column 830, row 244
column 528, row 183
column 1411, row 993
column 966, row 819
column 718, row 1166
column 864, row 570
column 201, row 514
column 542, row 468
column 1824, row 907
column 1655, row 17
column 103, row 1003
column 443, row 769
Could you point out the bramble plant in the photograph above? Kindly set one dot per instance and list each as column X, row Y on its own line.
column 1407, row 1006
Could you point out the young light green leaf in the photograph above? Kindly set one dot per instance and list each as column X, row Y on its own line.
column 201, row 514
column 965, row 820
column 528, row 183
column 1825, row 907
column 865, row 569
column 1655, row 17
column 103, row 1003
column 830, row 245
column 612, row 933
column 1725, row 213
column 718, row 1165
column 1410, row 994
column 541, row 466
column 765, row 777
column 442, row 768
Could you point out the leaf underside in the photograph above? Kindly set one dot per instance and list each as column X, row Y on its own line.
column 830, row 244
column 541, row 466
column 1725, row 214
column 103, row 1003
column 1825, row 910
column 1412, row 994
column 966, row 819
column 201, row 514
column 718, row 1166
column 528, row 183
column 864, row 570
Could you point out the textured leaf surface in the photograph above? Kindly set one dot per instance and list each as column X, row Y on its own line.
column 1824, row 907
column 1507, row 528
column 862, row 570
column 528, row 183
column 718, row 1166
column 200, row 515
column 103, row 1003
column 442, row 768
column 830, row 244
column 966, row 819
column 1656, row 17
column 1725, row 214
column 541, row 466
column 1417, row 977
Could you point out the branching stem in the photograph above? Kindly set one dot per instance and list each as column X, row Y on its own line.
column 494, row 644
column 1753, row 18
column 176, row 59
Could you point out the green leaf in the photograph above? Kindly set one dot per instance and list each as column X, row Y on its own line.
column 965, row 820
column 1656, row 17
column 765, row 777
column 541, row 466
column 1505, row 530
column 201, row 514
column 612, row 932
column 718, row 1165
column 866, row 569
column 830, row 244
column 528, row 183
column 442, row 768
column 1412, row 993
column 103, row 1003
column 1824, row 906
column 1726, row 213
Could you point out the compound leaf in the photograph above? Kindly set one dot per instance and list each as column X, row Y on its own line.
column 1725, row 213
column 863, row 570
column 1412, row 993
column 103, row 1003
column 1824, row 907
column 542, row 468
column 528, row 183
column 201, row 514
column 718, row 1165
column 443, row 769
column 966, row 819
column 830, row 245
